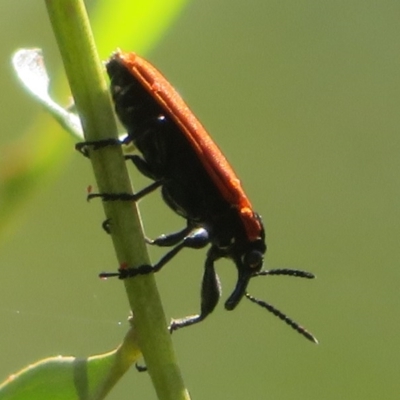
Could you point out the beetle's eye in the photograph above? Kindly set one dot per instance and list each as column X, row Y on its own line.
column 253, row 259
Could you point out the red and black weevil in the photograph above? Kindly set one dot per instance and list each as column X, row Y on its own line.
column 196, row 182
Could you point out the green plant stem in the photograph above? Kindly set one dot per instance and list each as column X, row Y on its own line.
column 72, row 30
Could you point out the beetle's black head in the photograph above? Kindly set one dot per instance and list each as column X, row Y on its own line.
column 248, row 257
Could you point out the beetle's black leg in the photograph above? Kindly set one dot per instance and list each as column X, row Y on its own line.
column 83, row 147
column 122, row 197
column 140, row 368
column 210, row 294
column 211, row 288
column 124, row 273
column 170, row 239
column 106, row 226
column 140, row 164
column 126, row 196
column 196, row 240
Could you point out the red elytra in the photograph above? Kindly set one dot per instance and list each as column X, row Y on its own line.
column 209, row 154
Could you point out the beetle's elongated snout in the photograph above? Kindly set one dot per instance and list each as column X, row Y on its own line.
column 239, row 291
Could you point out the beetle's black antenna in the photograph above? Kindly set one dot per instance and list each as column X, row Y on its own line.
column 284, row 318
column 286, row 271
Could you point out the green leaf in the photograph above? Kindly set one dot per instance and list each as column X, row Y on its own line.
column 30, row 68
column 59, row 378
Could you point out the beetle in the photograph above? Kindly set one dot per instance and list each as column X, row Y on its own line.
column 196, row 181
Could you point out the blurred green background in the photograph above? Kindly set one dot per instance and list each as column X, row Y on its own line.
column 303, row 98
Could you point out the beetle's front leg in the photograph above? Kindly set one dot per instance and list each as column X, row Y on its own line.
column 210, row 294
